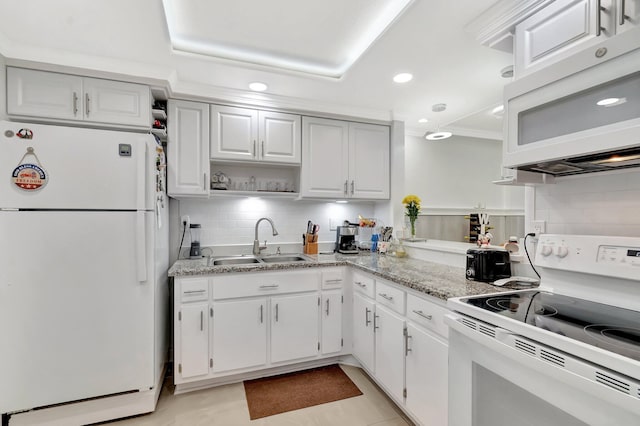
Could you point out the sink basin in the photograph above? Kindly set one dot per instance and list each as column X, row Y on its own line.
column 284, row 258
column 241, row 260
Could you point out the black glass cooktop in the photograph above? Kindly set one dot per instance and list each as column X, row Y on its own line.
column 608, row 327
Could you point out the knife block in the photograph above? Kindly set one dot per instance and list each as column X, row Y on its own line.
column 311, row 244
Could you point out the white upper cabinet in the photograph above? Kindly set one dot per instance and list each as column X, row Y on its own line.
column 53, row 96
column 344, row 160
column 250, row 135
column 567, row 26
column 188, row 149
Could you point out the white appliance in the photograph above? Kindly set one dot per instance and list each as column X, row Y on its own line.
column 580, row 115
column 567, row 353
column 83, row 283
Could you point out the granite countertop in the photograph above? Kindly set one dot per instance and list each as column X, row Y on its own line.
column 434, row 279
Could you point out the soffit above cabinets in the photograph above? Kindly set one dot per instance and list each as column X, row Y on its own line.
column 324, row 38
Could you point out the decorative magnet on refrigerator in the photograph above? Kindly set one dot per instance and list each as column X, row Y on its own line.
column 29, row 176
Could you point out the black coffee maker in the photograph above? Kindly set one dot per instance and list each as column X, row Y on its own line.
column 346, row 239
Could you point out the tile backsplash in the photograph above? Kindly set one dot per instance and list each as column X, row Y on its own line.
column 596, row 204
column 231, row 221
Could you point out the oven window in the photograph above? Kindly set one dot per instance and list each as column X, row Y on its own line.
column 612, row 102
column 499, row 402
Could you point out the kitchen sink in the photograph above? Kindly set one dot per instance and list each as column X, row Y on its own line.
column 283, row 259
column 240, row 260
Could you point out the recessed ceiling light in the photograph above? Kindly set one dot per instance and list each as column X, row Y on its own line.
column 435, row 136
column 423, row 120
column 499, row 110
column 611, row 102
column 403, row 77
column 257, row 86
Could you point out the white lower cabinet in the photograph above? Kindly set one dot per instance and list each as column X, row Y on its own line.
column 426, row 376
column 239, row 338
column 389, row 352
column 294, row 327
column 193, row 360
column 331, row 340
column 363, row 337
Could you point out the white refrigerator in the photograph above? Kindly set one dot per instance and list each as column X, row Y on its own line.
column 83, row 264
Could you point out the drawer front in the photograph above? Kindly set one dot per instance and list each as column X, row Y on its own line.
column 364, row 284
column 427, row 314
column 332, row 278
column 390, row 296
column 194, row 289
column 264, row 284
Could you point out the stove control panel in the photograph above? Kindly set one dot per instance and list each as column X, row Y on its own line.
column 591, row 254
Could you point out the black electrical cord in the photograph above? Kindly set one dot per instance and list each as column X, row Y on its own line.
column 184, row 230
column 531, row 234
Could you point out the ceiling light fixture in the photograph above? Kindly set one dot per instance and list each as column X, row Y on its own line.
column 438, row 135
column 507, row 72
column 257, row 86
column 423, row 120
column 403, row 77
column 341, row 201
column 498, row 111
column 609, row 102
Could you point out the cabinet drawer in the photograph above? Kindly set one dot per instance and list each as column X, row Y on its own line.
column 264, row 284
column 332, row 278
column 364, row 284
column 390, row 296
column 427, row 314
column 194, row 289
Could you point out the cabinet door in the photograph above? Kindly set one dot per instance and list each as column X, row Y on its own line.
column 363, row 337
column 188, row 149
column 192, row 354
column 627, row 15
column 279, row 137
column 44, row 94
column 239, row 338
column 294, row 327
column 389, row 343
column 234, row 133
column 115, row 102
column 325, row 164
column 558, row 30
column 426, row 372
column 368, row 161
column 331, row 307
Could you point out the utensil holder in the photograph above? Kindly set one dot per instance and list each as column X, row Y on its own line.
column 311, row 244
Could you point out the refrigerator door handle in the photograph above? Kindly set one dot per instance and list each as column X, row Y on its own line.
column 142, row 171
column 141, row 246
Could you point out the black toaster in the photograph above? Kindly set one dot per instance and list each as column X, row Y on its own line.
column 488, row 264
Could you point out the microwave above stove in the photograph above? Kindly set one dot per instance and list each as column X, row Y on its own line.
column 580, row 115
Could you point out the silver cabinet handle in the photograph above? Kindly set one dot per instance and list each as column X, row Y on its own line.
column 87, row 103
column 352, row 183
column 201, row 320
column 75, row 103
column 346, row 183
column 194, row 291
column 211, row 312
column 337, row 280
column 390, row 298
column 359, row 284
column 261, row 314
column 327, row 310
column 599, row 10
column 423, row 315
column 406, row 342
column 262, row 149
column 205, row 182
column 276, row 312
column 375, row 323
column 367, row 321
column 254, row 148
column 623, row 15
column 269, row 286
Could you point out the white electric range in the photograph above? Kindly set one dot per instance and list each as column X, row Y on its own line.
column 566, row 353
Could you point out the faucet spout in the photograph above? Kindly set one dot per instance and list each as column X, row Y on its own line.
column 257, row 248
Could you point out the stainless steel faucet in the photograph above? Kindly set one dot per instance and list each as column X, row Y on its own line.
column 257, row 248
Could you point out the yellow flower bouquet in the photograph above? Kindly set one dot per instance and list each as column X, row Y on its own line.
column 412, row 206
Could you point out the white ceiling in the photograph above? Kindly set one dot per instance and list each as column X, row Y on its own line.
column 427, row 39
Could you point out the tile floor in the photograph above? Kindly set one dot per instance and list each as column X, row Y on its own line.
column 226, row 406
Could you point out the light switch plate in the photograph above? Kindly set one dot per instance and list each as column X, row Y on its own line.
column 334, row 223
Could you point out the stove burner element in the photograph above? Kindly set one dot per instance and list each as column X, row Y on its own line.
column 624, row 338
column 503, row 303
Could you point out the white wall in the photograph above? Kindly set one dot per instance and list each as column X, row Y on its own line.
column 596, row 204
column 3, row 89
column 456, row 173
column 231, row 221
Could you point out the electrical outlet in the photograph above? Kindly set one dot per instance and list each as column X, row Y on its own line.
column 539, row 227
column 334, row 223
column 185, row 220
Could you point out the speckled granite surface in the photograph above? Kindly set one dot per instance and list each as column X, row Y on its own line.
column 434, row 279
